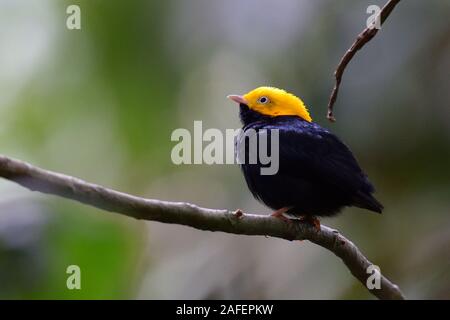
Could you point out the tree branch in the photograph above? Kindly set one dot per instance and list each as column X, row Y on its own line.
column 364, row 37
column 187, row 214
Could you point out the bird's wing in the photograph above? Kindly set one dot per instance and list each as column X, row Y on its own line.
column 310, row 152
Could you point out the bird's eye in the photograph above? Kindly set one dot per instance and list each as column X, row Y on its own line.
column 263, row 100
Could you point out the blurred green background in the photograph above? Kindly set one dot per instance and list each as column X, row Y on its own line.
column 100, row 103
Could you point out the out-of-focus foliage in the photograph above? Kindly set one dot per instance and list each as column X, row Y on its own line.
column 100, row 103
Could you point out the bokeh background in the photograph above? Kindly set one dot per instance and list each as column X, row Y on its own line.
column 100, row 103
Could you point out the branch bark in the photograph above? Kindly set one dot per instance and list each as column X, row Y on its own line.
column 187, row 214
column 364, row 37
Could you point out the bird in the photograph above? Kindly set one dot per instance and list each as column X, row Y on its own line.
column 317, row 175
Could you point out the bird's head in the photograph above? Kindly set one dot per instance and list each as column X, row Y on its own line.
column 273, row 102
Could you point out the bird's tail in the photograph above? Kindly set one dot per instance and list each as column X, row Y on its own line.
column 368, row 201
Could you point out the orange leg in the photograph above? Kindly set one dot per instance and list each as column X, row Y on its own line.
column 279, row 214
column 312, row 221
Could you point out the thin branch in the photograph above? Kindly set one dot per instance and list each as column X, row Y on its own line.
column 364, row 37
column 187, row 214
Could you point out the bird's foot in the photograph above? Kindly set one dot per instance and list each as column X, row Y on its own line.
column 279, row 214
column 315, row 222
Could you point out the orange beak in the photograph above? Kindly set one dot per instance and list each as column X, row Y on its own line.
column 237, row 99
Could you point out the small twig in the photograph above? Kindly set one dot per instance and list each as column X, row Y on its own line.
column 364, row 37
column 187, row 214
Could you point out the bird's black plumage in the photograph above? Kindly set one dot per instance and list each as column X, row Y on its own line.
column 318, row 174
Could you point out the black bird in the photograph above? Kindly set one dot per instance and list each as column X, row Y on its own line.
column 317, row 173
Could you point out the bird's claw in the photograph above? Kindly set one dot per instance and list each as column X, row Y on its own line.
column 313, row 221
column 279, row 214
